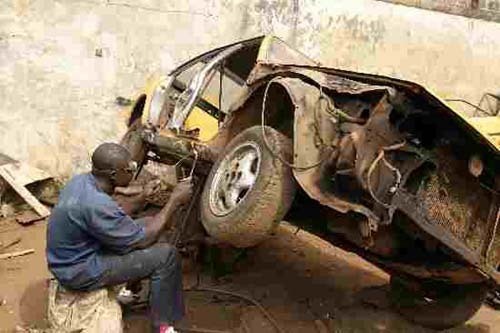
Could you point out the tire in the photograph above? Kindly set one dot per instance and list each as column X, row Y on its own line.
column 258, row 209
column 437, row 305
column 133, row 142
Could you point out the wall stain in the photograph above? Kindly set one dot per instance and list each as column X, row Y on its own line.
column 295, row 22
column 371, row 31
column 281, row 11
column 245, row 19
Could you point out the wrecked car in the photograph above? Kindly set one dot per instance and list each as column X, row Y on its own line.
column 375, row 165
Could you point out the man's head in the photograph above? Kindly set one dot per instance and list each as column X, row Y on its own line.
column 114, row 163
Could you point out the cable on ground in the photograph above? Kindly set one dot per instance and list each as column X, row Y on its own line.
column 246, row 298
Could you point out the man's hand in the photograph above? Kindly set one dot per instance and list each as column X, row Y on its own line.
column 182, row 192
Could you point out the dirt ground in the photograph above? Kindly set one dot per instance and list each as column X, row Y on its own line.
column 299, row 278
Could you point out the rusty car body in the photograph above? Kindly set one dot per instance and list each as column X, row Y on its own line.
column 390, row 170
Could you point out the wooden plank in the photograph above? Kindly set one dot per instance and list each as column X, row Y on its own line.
column 25, row 174
column 24, row 193
column 16, row 254
column 9, row 244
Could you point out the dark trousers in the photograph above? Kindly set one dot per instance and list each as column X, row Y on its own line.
column 161, row 264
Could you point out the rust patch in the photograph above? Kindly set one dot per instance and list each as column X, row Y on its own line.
column 456, row 201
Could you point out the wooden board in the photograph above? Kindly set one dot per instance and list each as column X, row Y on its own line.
column 25, row 174
column 6, row 174
column 16, row 254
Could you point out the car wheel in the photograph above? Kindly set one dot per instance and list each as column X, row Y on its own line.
column 132, row 140
column 436, row 305
column 248, row 190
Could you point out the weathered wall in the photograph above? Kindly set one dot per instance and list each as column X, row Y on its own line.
column 480, row 9
column 58, row 96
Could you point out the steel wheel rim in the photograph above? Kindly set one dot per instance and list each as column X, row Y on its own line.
column 235, row 178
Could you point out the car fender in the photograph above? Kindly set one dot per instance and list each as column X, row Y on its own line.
column 307, row 153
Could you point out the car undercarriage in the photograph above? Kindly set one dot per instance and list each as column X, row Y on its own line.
column 375, row 165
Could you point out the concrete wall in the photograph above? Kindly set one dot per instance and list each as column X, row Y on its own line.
column 450, row 6
column 58, row 96
column 480, row 9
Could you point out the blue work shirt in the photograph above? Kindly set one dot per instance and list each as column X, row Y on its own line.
column 85, row 223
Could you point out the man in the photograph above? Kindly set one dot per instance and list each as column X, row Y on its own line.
column 93, row 243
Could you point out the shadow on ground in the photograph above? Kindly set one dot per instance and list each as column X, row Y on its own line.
column 308, row 286
column 299, row 278
column 33, row 304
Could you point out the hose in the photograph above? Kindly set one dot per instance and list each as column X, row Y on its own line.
column 246, row 298
column 266, row 314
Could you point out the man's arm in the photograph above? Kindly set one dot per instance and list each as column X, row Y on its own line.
column 181, row 194
column 130, row 204
column 133, row 198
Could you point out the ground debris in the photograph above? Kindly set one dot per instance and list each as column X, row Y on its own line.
column 28, row 217
column 9, row 244
column 7, row 210
column 23, row 192
column 16, row 254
